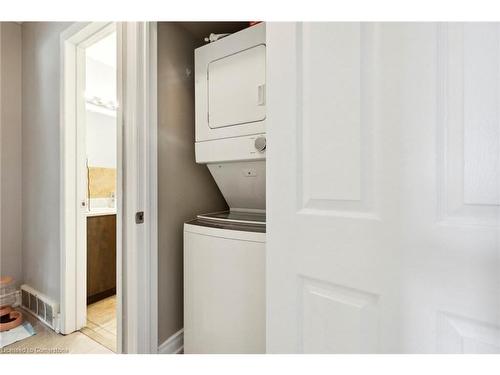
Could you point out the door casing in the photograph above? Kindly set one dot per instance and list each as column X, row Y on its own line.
column 136, row 185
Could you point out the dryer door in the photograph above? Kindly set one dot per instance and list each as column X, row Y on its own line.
column 236, row 88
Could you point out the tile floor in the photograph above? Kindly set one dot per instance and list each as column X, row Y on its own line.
column 49, row 342
column 101, row 322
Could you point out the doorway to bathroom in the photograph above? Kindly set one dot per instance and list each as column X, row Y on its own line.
column 135, row 178
column 99, row 134
column 92, row 185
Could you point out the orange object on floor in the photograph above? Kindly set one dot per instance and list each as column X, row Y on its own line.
column 9, row 318
column 13, row 319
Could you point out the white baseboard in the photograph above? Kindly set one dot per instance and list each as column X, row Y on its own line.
column 174, row 344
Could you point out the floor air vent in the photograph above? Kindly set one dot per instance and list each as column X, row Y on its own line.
column 45, row 309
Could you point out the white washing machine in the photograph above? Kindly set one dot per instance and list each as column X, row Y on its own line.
column 224, row 253
column 224, row 283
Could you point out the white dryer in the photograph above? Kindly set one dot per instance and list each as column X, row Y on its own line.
column 230, row 93
column 230, row 82
column 224, row 253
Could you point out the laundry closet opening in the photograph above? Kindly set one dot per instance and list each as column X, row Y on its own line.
column 211, row 187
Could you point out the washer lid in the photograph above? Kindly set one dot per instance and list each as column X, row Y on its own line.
column 204, row 226
column 236, row 217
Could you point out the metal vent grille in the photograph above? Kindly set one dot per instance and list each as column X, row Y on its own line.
column 32, row 305
column 49, row 315
column 40, row 306
column 25, row 298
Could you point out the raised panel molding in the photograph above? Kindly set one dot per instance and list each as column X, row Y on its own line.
column 469, row 123
column 457, row 334
column 336, row 74
column 338, row 319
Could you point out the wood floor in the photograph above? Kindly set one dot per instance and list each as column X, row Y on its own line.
column 101, row 322
column 48, row 342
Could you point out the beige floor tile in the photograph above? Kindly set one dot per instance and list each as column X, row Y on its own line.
column 48, row 341
column 101, row 322
column 99, row 337
column 102, row 336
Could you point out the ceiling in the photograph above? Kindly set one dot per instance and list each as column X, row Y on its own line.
column 104, row 50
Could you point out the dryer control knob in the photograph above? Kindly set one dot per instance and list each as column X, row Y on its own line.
column 260, row 144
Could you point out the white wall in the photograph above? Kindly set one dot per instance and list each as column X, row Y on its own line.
column 100, row 82
column 101, row 140
column 10, row 151
column 100, row 79
column 40, row 155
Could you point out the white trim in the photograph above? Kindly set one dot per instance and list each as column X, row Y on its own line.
column 72, row 217
column 71, row 289
column 81, row 191
column 130, row 198
column 137, row 171
column 174, row 344
column 139, row 111
column 1, row 137
column 120, row 290
column 153, row 182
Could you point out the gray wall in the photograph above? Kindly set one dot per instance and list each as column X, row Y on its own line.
column 40, row 155
column 10, row 151
column 185, row 188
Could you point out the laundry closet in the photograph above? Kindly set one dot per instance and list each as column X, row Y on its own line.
column 211, row 185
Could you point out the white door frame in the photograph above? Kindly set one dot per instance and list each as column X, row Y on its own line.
column 73, row 248
column 140, row 242
column 136, row 186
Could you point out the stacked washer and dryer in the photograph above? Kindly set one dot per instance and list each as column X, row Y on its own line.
column 224, row 252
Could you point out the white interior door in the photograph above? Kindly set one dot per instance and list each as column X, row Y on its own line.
column 383, row 188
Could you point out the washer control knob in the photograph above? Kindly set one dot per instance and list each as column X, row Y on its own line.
column 260, row 144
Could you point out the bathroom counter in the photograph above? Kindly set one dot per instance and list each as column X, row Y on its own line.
column 102, row 211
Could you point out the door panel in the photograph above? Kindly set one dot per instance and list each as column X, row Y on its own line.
column 468, row 115
column 386, row 234
column 348, row 319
